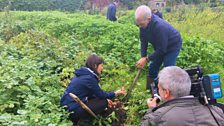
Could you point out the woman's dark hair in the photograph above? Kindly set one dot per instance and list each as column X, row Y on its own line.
column 93, row 62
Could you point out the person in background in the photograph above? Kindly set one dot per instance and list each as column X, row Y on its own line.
column 111, row 11
column 179, row 107
column 158, row 13
column 165, row 39
column 85, row 86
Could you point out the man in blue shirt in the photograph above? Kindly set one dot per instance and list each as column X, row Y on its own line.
column 165, row 39
column 111, row 11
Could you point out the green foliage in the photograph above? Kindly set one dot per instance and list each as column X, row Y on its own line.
column 207, row 53
column 131, row 4
column 42, row 50
column 9, row 27
column 203, row 22
column 126, row 17
column 100, row 36
column 36, row 71
column 61, row 5
column 42, row 5
column 29, row 93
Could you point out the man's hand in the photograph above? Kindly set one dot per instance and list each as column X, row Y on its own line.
column 151, row 102
column 141, row 63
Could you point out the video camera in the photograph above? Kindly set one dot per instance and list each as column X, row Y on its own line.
column 206, row 87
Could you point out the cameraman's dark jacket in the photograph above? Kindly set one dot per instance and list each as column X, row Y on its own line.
column 182, row 112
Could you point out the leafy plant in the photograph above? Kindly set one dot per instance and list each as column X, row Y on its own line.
column 38, row 59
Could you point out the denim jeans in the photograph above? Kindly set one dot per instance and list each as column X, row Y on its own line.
column 169, row 59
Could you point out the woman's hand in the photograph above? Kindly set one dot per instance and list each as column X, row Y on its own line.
column 110, row 103
column 120, row 91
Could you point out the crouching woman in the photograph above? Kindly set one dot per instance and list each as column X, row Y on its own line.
column 85, row 86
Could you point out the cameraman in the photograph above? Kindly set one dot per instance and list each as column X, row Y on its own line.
column 179, row 108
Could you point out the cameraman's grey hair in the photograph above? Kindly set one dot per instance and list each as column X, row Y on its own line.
column 176, row 80
column 143, row 9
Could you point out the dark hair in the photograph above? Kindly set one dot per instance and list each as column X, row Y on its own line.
column 115, row 1
column 93, row 62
